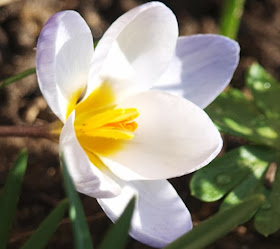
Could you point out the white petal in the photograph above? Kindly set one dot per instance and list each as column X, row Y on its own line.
column 64, row 53
column 201, row 68
column 174, row 137
column 160, row 216
column 136, row 49
column 87, row 178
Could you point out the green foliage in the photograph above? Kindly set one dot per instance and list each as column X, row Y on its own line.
column 117, row 235
column 223, row 174
column 42, row 235
column 250, row 185
column 267, row 220
column 81, row 232
column 265, row 90
column 9, row 197
column 17, row 77
column 235, row 114
column 256, row 119
column 231, row 16
column 241, row 173
column 218, row 225
column 237, row 175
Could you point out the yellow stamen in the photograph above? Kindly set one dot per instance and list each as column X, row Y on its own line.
column 118, row 118
column 115, row 124
column 110, row 133
column 100, row 127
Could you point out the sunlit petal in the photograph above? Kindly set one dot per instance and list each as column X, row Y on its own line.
column 160, row 216
column 174, row 137
column 135, row 50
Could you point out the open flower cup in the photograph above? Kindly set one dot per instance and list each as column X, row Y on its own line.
column 132, row 110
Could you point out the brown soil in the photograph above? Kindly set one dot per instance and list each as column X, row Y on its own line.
column 22, row 103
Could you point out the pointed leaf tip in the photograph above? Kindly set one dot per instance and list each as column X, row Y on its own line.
column 10, row 196
column 117, row 235
column 42, row 235
column 82, row 238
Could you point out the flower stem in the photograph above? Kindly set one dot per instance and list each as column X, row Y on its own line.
column 231, row 17
column 26, row 131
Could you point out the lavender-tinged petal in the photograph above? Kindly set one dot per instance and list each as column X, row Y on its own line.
column 64, row 53
column 201, row 68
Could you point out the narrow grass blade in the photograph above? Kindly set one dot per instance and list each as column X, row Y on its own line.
column 82, row 238
column 43, row 234
column 17, row 77
column 118, row 234
column 231, row 16
column 218, row 225
column 9, row 197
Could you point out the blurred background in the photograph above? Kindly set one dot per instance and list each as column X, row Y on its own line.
column 21, row 103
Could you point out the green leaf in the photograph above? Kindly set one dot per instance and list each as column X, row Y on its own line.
column 212, row 182
column 118, row 234
column 218, row 225
column 17, row 77
column 43, row 234
column 10, row 195
column 254, row 182
column 231, row 16
column 81, row 232
column 234, row 114
column 250, row 186
column 267, row 220
column 266, row 91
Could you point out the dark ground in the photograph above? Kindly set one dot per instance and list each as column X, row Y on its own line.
column 22, row 103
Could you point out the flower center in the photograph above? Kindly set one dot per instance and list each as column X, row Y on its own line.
column 101, row 128
column 112, row 123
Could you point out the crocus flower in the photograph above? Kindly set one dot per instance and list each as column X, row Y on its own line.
column 132, row 110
